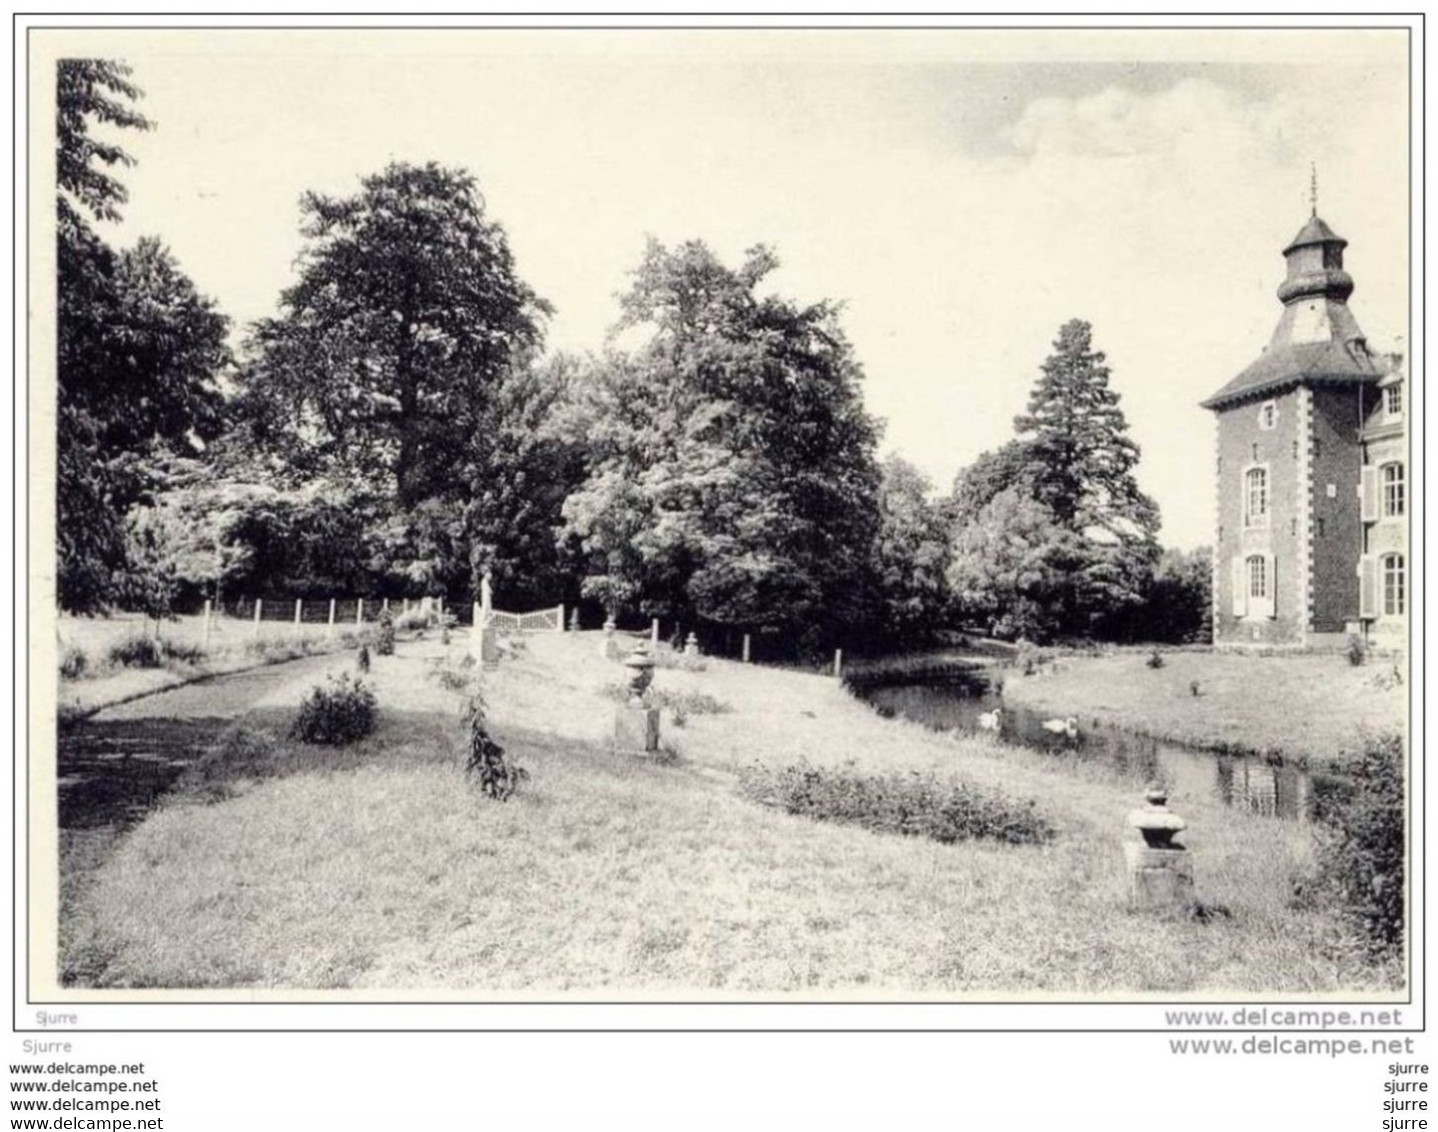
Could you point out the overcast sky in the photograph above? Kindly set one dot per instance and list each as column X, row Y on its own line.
column 962, row 193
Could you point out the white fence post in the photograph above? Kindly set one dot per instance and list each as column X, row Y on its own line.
column 559, row 618
column 359, row 612
column 330, row 630
column 259, row 607
column 299, row 605
column 746, row 648
column 384, row 605
column 654, row 631
column 205, row 631
column 406, row 606
column 838, row 663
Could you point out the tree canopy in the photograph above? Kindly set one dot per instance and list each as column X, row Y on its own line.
column 139, row 348
column 732, row 472
column 406, row 316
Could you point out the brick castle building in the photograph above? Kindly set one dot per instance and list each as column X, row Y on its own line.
column 1312, row 534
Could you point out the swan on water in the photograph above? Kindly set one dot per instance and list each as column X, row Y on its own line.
column 1067, row 727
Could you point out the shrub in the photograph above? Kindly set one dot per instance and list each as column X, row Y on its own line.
column 415, row 620
column 186, row 654
column 913, row 804
column 1155, row 659
column 681, row 703
column 455, row 678
column 1357, row 650
column 1360, row 844
column 1195, row 688
column 138, row 651
column 73, row 662
column 362, row 660
column 335, row 714
column 384, row 641
column 499, row 776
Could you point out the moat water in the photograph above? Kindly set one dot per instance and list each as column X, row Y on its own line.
column 1264, row 786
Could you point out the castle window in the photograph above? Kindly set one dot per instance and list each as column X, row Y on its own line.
column 1257, row 577
column 1393, row 401
column 1255, row 497
column 1268, row 415
column 1394, row 597
column 1393, row 501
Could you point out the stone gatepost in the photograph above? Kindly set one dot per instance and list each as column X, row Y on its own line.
column 636, row 724
column 1160, row 873
column 608, row 646
column 691, row 644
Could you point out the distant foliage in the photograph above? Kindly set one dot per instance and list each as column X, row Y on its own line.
column 384, row 638
column 1052, row 536
column 499, row 776
column 341, row 711
column 913, row 554
column 912, row 804
column 1361, row 836
column 73, row 662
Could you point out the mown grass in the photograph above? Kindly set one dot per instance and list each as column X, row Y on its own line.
column 380, row 865
column 1312, row 707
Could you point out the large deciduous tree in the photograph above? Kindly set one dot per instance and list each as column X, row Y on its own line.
column 407, row 315
column 732, row 473
column 138, row 348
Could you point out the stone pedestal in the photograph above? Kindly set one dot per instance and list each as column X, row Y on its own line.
column 1158, row 878
column 608, row 646
column 1160, row 873
column 484, row 645
column 636, row 729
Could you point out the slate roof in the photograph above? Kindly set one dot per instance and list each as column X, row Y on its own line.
column 1315, row 232
column 1320, row 363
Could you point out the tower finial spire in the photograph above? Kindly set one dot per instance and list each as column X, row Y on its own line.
column 1313, row 188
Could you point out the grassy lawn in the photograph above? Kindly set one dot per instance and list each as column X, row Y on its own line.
column 382, row 866
column 233, row 647
column 1305, row 706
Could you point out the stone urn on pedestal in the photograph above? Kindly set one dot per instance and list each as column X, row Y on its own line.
column 636, row 724
column 1160, row 872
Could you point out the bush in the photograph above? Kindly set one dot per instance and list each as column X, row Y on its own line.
column 384, row 641
column 913, row 804
column 415, row 620
column 73, row 662
column 335, row 714
column 362, row 659
column 1357, row 650
column 186, row 654
column 1360, row 844
column 499, row 776
column 1155, row 659
column 138, row 651
column 681, row 703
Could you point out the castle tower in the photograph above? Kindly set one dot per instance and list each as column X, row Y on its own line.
column 1294, row 481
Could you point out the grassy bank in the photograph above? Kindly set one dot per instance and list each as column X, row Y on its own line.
column 1311, row 707
column 232, row 647
column 381, row 866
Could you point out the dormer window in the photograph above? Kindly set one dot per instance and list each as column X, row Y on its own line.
column 1268, row 415
column 1393, row 400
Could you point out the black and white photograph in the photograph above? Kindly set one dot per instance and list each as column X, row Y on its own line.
column 721, row 515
